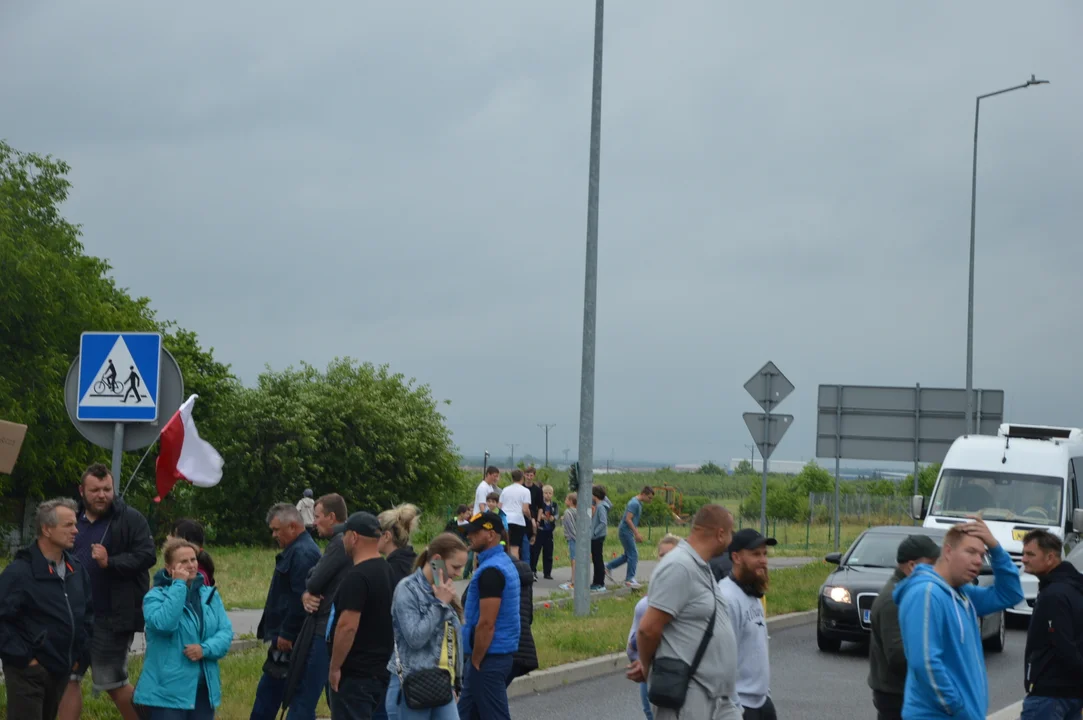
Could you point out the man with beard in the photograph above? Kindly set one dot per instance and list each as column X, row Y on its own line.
column 743, row 590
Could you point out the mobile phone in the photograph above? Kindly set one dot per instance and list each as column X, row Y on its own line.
column 439, row 571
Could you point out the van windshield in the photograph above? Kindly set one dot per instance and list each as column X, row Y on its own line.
column 999, row 496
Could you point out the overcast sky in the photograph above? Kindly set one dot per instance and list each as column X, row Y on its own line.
column 406, row 183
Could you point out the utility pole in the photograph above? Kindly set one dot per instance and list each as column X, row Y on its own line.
column 566, row 451
column 546, row 427
column 590, row 323
column 752, row 454
column 512, row 446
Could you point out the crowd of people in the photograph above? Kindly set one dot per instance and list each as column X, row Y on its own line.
column 379, row 629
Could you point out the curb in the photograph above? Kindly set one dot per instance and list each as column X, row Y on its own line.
column 1009, row 713
column 552, row 678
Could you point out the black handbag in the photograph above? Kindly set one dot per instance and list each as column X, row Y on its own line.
column 670, row 676
column 430, row 687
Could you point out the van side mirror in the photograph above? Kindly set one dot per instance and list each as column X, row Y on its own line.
column 1077, row 521
column 917, row 507
column 833, row 558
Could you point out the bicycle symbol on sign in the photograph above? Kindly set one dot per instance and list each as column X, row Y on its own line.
column 108, row 386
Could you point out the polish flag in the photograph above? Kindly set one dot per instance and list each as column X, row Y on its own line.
column 184, row 456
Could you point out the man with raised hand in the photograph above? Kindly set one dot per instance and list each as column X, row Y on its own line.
column 939, row 607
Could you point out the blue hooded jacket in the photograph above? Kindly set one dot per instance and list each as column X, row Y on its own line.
column 178, row 614
column 945, row 674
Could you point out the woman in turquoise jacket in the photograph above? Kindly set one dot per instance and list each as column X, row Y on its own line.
column 187, row 632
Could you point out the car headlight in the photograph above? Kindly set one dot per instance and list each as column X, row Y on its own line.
column 838, row 594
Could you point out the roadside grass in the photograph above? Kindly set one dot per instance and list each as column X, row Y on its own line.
column 240, row 673
column 560, row 636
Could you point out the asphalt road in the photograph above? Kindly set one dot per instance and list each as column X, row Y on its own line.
column 805, row 684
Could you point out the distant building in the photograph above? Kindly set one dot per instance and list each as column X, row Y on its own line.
column 779, row 467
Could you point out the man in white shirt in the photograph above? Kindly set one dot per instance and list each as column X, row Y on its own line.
column 515, row 502
column 486, row 486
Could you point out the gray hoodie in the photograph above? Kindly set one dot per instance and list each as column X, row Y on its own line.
column 599, row 526
column 750, row 628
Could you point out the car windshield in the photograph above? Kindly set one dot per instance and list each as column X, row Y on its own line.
column 999, row 496
column 875, row 549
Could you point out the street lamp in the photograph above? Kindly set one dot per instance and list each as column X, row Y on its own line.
column 970, row 298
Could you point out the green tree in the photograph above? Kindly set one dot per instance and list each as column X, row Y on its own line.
column 814, row 479
column 926, row 481
column 711, row 469
column 50, row 292
column 744, row 468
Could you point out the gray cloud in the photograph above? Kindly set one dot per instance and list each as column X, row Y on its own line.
column 408, row 185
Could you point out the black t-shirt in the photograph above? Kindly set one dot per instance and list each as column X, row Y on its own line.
column 537, row 500
column 491, row 583
column 367, row 589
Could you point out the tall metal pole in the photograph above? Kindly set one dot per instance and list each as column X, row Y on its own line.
column 590, row 297
column 765, row 452
column 118, row 456
column 512, row 446
column 970, row 290
column 546, row 427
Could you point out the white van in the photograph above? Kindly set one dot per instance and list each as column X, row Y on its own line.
column 1027, row 477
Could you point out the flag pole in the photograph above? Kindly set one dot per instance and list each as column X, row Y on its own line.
column 140, row 463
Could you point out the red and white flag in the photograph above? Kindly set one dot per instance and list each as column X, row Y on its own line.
column 184, row 456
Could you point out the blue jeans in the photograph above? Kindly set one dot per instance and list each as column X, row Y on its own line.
column 630, row 556
column 313, row 682
column 398, row 710
column 524, row 549
column 485, row 692
column 202, row 711
column 646, row 701
column 1049, row 708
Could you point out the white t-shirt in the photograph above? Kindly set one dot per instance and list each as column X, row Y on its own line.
column 480, row 495
column 512, row 499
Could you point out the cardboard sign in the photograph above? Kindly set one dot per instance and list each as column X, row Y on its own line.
column 11, row 441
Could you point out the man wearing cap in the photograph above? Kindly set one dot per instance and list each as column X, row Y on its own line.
column 887, row 662
column 743, row 588
column 360, row 627
column 491, row 625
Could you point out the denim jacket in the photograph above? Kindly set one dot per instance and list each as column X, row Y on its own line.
column 418, row 618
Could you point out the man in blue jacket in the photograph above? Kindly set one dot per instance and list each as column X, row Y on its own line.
column 939, row 607
column 284, row 611
column 45, row 616
column 491, row 628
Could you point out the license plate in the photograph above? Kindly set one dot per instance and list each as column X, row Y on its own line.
column 1019, row 534
column 866, row 616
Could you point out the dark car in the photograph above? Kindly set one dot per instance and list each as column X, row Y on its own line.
column 846, row 597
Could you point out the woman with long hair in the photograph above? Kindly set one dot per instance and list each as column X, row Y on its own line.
column 426, row 666
column 192, row 531
column 187, row 633
column 398, row 525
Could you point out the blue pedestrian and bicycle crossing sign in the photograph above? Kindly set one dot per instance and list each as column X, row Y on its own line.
column 118, row 376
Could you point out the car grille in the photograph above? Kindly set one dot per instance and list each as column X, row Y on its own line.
column 864, row 605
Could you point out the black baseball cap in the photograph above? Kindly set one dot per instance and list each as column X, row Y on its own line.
column 916, row 547
column 363, row 523
column 749, row 539
column 485, row 521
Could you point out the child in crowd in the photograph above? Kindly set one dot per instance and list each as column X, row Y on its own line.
column 493, row 501
column 543, row 546
column 570, row 503
column 599, row 526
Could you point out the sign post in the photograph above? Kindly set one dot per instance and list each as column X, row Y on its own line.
column 768, row 388
column 118, row 388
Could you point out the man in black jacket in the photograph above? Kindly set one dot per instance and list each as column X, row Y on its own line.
column 45, row 616
column 887, row 662
column 284, row 612
column 1053, row 659
column 115, row 547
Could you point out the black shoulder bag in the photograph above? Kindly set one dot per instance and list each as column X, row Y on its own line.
column 671, row 676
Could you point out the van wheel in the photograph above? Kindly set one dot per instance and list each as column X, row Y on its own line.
column 827, row 644
column 996, row 642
